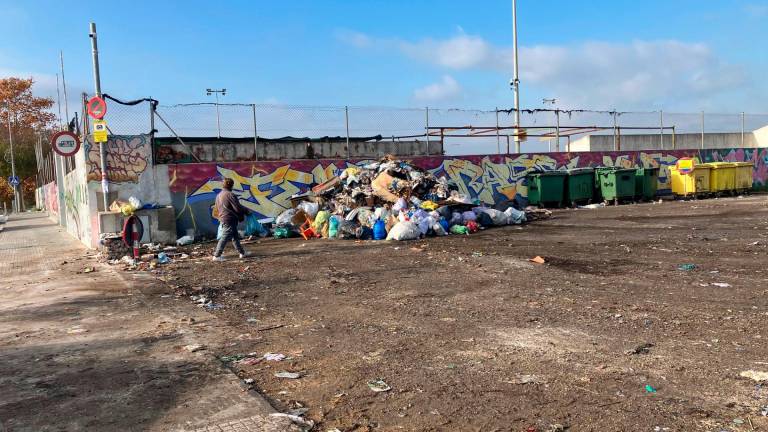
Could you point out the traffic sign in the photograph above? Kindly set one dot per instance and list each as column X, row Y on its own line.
column 100, row 133
column 14, row 180
column 65, row 143
column 96, row 107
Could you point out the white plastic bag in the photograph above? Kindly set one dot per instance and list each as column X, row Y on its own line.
column 285, row 217
column 404, row 231
column 439, row 230
column 400, row 205
column 309, row 208
column 135, row 203
column 185, row 240
column 516, row 217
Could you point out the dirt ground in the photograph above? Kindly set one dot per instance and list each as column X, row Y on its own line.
column 472, row 336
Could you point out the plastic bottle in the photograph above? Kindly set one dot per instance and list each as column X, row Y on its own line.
column 379, row 230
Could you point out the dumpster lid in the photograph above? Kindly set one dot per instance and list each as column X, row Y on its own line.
column 617, row 169
column 580, row 171
column 548, row 173
column 716, row 165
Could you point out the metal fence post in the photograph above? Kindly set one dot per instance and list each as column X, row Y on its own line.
column 255, row 135
column 152, row 131
column 346, row 121
column 661, row 129
column 426, row 129
column 702, row 129
column 557, row 130
column 498, row 138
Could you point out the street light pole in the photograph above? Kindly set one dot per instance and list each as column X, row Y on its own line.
column 97, row 88
column 218, row 119
column 515, row 78
column 13, row 162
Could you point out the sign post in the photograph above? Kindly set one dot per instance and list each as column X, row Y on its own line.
column 65, row 143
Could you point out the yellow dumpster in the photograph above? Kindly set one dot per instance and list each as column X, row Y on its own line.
column 681, row 178
column 701, row 176
column 743, row 176
column 723, row 177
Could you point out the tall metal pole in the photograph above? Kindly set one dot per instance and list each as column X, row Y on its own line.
column 498, row 138
column 218, row 120
column 13, row 162
column 702, row 129
column 661, row 129
column 97, row 88
column 615, row 140
column 426, row 128
column 64, row 81
column 515, row 78
column 557, row 130
column 346, row 122
column 58, row 102
column 255, row 135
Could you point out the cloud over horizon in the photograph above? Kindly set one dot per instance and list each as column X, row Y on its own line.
column 641, row 74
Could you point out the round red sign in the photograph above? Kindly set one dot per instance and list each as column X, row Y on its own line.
column 96, row 107
column 65, row 143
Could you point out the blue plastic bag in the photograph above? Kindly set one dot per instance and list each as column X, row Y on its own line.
column 379, row 230
column 254, row 227
column 333, row 227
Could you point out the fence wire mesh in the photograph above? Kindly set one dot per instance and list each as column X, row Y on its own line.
column 463, row 131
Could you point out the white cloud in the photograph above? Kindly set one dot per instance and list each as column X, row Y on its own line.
column 446, row 89
column 624, row 75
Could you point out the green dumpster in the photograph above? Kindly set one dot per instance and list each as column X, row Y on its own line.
column 546, row 187
column 646, row 183
column 616, row 184
column 580, row 186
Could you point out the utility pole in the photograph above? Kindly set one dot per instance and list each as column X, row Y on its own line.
column 64, row 81
column 97, row 87
column 58, row 102
column 16, row 202
column 218, row 120
column 515, row 78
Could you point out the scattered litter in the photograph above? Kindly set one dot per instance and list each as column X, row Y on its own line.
column 643, row 348
column 213, row 306
column 754, row 243
column 89, row 270
column 274, row 357
column 248, row 361
column 764, row 411
column 592, row 206
column 754, row 375
column 686, row 267
column 194, row 348
column 538, row 260
column 251, row 320
column 649, row 389
column 271, row 327
column 298, row 411
column 248, row 381
column 288, row 375
column 527, row 379
column 379, row 386
column 738, row 421
column 234, row 357
column 77, row 330
column 721, row 284
column 186, row 240
column 162, row 258
column 304, row 424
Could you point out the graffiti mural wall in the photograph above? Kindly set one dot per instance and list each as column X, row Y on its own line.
column 266, row 187
column 51, row 197
column 127, row 157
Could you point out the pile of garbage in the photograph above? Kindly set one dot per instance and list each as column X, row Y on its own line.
column 390, row 199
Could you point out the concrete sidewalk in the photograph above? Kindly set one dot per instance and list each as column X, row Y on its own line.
column 85, row 350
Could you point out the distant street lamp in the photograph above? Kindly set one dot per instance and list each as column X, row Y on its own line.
column 218, row 119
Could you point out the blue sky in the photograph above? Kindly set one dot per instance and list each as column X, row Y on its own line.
column 678, row 55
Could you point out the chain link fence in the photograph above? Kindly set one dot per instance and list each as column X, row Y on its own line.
column 463, row 131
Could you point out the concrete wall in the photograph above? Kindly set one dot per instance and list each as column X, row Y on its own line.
column 224, row 151
column 266, row 187
column 682, row 141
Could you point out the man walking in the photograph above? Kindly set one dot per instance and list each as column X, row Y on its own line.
column 230, row 213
